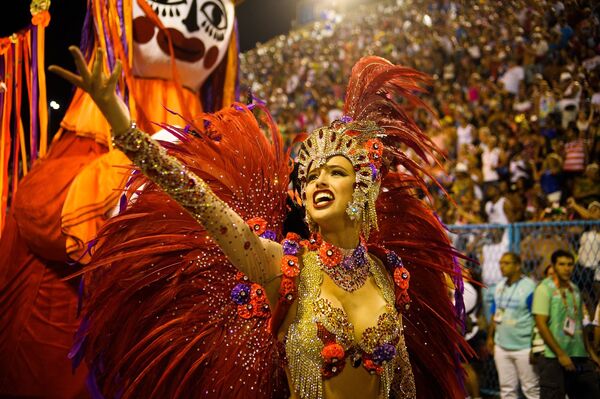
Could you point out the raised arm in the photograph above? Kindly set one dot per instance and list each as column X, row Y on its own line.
column 256, row 257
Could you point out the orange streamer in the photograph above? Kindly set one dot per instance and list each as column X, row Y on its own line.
column 28, row 77
column 20, row 137
column 230, row 73
column 5, row 140
column 43, row 105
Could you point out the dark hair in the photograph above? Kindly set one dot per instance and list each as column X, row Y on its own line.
column 561, row 253
column 515, row 257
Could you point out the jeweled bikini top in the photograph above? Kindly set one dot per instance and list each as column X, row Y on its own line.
column 321, row 340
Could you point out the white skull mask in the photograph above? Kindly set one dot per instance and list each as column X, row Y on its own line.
column 200, row 31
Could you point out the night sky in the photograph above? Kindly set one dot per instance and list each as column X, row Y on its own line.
column 258, row 21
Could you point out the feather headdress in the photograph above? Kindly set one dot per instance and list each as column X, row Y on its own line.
column 370, row 133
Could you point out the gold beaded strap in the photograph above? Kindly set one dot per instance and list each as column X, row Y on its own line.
column 403, row 382
column 398, row 372
column 302, row 346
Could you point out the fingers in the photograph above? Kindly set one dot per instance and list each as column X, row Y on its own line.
column 80, row 63
column 111, row 83
column 94, row 81
column 97, row 75
column 72, row 78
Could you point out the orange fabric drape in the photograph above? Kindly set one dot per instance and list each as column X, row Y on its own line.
column 42, row 109
column 28, row 78
column 5, row 139
column 231, row 73
column 18, row 123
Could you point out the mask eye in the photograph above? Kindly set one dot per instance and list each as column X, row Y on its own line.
column 215, row 14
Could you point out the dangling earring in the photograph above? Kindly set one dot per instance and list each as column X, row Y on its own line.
column 354, row 210
column 312, row 226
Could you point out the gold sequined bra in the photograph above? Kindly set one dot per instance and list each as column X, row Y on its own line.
column 321, row 340
column 376, row 347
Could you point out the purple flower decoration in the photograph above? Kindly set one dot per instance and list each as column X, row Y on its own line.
column 384, row 353
column 357, row 259
column 290, row 247
column 373, row 172
column 240, row 294
column 394, row 259
column 346, row 119
column 269, row 235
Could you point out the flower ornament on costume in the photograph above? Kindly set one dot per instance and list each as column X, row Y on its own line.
column 289, row 266
column 372, row 367
column 384, row 353
column 333, row 355
column 258, row 225
column 330, row 255
column 313, row 243
column 401, row 278
column 250, row 298
column 241, row 293
column 290, row 247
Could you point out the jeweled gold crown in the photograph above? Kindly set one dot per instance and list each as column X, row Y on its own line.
column 359, row 142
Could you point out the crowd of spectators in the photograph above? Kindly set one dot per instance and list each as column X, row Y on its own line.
column 515, row 95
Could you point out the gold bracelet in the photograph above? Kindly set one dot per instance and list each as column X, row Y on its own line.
column 120, row 140
column 132, row 127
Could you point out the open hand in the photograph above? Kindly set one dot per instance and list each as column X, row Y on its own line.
column 100, row 87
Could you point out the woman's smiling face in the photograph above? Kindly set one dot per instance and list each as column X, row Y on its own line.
column 329, row 189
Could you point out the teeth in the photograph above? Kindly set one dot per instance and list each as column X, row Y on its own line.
column 320, row 197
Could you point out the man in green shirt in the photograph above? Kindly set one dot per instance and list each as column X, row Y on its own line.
column 565, row 367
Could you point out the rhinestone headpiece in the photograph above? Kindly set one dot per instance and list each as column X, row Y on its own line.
column 359, row 142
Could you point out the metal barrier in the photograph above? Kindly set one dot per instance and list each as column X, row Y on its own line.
column 535, row 243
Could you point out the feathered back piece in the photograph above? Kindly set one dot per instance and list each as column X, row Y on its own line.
column 381, row 93
column 159, row 321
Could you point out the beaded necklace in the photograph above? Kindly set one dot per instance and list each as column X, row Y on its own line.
column 348, row 268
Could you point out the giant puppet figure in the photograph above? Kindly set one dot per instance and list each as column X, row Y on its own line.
column 179, row 57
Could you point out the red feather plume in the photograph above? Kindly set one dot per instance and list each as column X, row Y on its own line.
column 409, row 227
